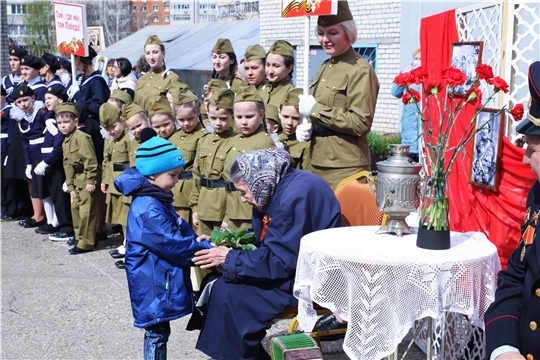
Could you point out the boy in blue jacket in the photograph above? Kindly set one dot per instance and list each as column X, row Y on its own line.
column 159, row 243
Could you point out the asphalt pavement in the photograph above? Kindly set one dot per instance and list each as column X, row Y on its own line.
column 61, row 306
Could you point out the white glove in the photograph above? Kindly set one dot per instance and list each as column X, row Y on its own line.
column 51, row 127
column 28, row 171
column 303, row 132
column 73, row 89
column 105, row 134
column 40, row 168
column 5, row 160
column 65, row 187
column 306, row 104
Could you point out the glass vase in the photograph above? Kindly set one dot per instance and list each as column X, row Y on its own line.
column 434, row 226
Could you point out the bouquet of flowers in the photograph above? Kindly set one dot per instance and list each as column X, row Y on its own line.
column 438, row 118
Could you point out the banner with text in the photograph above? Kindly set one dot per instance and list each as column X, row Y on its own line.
column 293, row 8
column 70, row 27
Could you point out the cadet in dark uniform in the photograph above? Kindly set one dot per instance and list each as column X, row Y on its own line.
column 254, row 66
column 342, row 102
column 249, row 118
column 83, row 174
column 11, row 81
column 225, row 65
column 30, row 67
column 159, row 79
column 512, row 320
column 279, row 70
column 49, row 69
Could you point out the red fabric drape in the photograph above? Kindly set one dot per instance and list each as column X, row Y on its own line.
column 498, row 215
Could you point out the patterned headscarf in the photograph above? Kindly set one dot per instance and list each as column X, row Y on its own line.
column 263, row 169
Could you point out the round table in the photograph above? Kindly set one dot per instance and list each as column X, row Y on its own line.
column 382, row 283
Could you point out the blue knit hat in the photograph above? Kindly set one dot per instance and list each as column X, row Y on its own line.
column 156, row 155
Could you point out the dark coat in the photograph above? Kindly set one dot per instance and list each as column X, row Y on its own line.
column 256, row 286
column 514, row 317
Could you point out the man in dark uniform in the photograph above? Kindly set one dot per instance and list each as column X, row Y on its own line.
column 514, row 317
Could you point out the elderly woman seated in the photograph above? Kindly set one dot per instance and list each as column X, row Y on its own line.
column 256, row 286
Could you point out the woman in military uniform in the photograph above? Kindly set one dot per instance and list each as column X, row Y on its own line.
column 254, row 66
column 279, row 70
column 342, row 102
column 249, row 118
column 225, row 65
column 159, row 79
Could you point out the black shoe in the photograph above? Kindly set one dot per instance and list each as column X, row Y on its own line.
column 115, row 251
column 330, row 323
column 24, row 221
column 76, row 251
column 32, row 223
column 61, row 236
column 47, row 229
column 117, row 255
column 72, row 241
column 120, row 264
column 5, row 217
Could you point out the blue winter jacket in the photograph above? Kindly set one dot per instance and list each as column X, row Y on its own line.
column 410, row 130
column 159, row 248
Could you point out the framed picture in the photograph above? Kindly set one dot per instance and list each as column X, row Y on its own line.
column 466, row 56
column 100, row 64
column 96, row 38
column 486, row 155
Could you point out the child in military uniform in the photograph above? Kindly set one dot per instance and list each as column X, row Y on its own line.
column 225, row 65
column 254, row 63
column 290, row 119
column 208, row 197
column 209, row 90
column 135, row 120
column 83, row 174
column 119, row 98
column 279, row 70
column 249, row 118
column 159, row 79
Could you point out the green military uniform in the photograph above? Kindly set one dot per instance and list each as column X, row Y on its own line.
column 155, row 82
column 129, row 110
column 208, row 196
column 239, row 214
column 81, row 168
column 299, row 151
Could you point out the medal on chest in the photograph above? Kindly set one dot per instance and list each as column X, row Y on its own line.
column 528, row 231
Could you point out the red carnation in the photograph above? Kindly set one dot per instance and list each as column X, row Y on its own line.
column 474, row 96
column 407, row 98
column 453, row 77
column 517, row 112
column 484, row 72
column 420, row 75
column 499, row 84
column 404, row 79
column 433, row 86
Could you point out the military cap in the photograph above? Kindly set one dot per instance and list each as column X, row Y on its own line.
column 65, row 63
column 31, row 61
column 254, row 52
column 223, row 46
column 153, row 40
column 67, row 107
column 128, row 110
column 271, row 112
column 121, row 95
column 183, row 96
column 291, row 97
column 18, row 52
column 223, row 99
column 531, row 124
column 108, row 114
column 59, row 91
column 160, row 105
column 282, row 47
column 22, row 91
column 248, row 93
column 343, row 14
column 50, row 60
column 215, row 84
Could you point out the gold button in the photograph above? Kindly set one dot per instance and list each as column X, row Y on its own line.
column 150, row 77
column 530, row 357
column 322, row 80
column 182, row 138
column 329, row 66
column 533, row 325
column 332, row 60
column 209, row 154
column 537, row 292
column 147, row 84
column 234, row 148
column 333, row 88
column 113, row 151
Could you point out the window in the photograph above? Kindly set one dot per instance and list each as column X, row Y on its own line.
column 207, row 6
column 134, row 8
column 17, row 9
column 166, row 8
column 16, row 30
column 368, row 52
column 156, row 18
column 143, row 8
column 182, row 17
column 167, row 18
column 181, row 6
column 155, row 8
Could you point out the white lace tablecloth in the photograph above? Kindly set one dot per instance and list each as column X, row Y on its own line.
column 382, row 283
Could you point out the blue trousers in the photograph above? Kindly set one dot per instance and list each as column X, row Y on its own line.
column 155, row 341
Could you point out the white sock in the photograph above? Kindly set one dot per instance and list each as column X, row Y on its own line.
column 50, row 213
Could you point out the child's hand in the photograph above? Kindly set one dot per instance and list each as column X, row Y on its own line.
column 90, row 188
column 203, row 238
column 195, row 219
column 103, row 188
column 72, row 196
column 224, row 225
